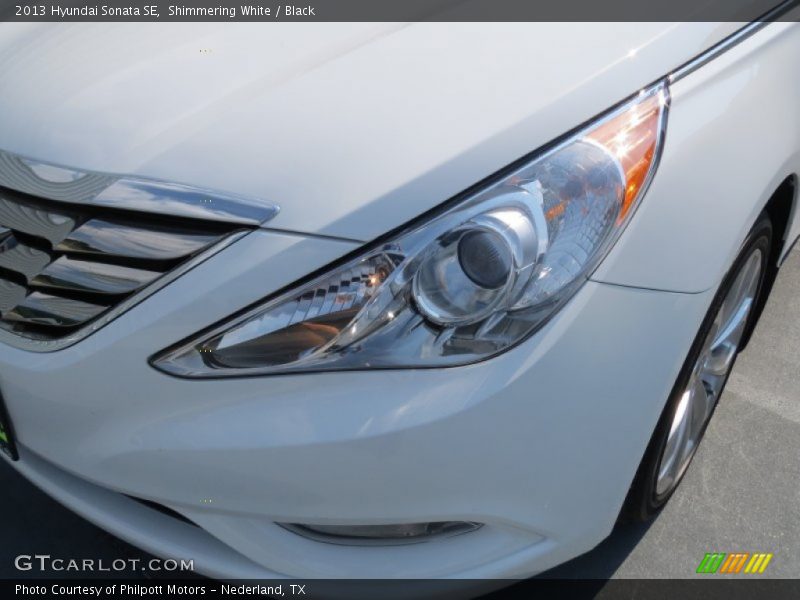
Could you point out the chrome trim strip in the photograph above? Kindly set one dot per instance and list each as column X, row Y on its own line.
column 64, row 184
column 47, row 345
column 38, row 179
column 453, row 528
column 731, row 41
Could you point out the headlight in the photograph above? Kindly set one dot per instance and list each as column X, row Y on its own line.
column 465, row 285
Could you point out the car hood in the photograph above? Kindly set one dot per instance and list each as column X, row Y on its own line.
column 352, row 129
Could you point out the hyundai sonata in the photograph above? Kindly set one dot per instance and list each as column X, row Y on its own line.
column 382, row 300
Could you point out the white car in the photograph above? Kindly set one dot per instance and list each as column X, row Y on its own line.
column 382, row 300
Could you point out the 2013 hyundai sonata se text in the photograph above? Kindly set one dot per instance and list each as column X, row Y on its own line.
column 382, row 300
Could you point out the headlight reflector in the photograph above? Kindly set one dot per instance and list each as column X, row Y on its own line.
column 465, row 285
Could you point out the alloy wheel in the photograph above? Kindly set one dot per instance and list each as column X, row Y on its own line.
column 709, row 375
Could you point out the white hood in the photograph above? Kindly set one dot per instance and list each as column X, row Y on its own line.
column 352, row 129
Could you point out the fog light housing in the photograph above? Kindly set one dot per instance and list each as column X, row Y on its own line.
column 381, row 535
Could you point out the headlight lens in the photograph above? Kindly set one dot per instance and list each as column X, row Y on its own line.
column 466, row 284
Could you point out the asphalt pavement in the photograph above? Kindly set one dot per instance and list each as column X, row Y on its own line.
column 741, row 493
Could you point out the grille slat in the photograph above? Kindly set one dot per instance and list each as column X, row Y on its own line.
column 100, row 237
column 11, row 294
column 92, row 277
column 43, row 309
column 50, row 226
column 20, row 258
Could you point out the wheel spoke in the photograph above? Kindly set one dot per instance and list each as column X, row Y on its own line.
column 719, row 359
column 702, row 404
column 737, row 304
column 687, row 426
column 676, row 442
column 734, row 325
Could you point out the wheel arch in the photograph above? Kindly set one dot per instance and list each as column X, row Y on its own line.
column 781, row 208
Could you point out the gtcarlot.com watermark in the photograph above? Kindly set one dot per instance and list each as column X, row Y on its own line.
column 45, row 563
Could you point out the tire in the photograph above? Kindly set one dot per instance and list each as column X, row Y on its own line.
column 705, row 371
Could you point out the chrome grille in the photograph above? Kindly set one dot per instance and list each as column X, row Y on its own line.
column 64, row 265
column 78, row 248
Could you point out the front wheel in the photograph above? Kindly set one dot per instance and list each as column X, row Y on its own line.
column 702, row 378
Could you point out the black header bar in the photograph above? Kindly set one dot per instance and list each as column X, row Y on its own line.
column 398, row 10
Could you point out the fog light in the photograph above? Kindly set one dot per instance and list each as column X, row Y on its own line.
column 381, row 535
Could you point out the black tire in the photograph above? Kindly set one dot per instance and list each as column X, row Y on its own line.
column 642, row 502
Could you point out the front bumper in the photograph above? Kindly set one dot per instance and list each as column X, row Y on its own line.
column 540, row 444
